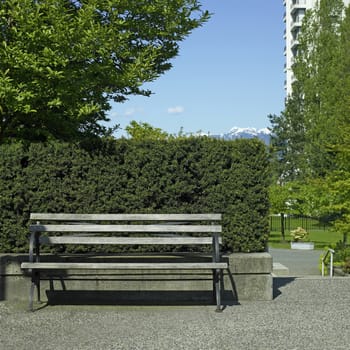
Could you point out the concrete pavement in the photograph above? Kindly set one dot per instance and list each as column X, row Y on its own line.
column 306, row 313
column 297, row 262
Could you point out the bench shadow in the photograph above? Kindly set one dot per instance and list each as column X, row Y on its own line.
column 279, row 282
column 130, row 297
column 69, row 292
column 66, row 294
column 79, row 296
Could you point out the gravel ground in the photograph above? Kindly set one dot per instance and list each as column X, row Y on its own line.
column 306, row 313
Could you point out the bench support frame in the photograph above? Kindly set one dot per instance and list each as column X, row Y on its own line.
column 35, row 266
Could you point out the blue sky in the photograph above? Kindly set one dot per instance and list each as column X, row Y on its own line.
column 228, row 73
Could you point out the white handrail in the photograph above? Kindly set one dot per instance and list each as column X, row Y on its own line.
column 330, row 264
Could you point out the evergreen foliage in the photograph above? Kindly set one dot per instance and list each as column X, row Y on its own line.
column 194, row 175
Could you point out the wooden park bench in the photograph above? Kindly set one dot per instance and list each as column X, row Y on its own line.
column 125, row 229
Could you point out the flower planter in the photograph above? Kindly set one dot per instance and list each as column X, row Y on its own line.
column 302, row 245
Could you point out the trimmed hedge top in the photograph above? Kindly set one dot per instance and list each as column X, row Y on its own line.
column 195, row 175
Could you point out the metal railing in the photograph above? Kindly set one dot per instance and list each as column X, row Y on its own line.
column 292, row 222
column 330, row 251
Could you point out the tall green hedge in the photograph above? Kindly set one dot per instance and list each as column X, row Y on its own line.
column 127, row 176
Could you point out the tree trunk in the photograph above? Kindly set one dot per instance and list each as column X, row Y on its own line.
column 283, row 228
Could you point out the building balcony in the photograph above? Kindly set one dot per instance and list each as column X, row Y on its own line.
column 296, row 25
column 296, row 8
column 294, row 43
column 301, row 3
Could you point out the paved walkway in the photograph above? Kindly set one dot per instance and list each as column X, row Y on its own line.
column 306, row 313
column 298, row 262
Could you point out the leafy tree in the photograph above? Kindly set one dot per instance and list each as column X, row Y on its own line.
column 62, row 62
column 287, row 148
column 142, row 131
column 338, row 184
column 342, row 144
column 279, row 196
column 317, row 75
column 318, row 112
column 288, row 142
column 305, row 133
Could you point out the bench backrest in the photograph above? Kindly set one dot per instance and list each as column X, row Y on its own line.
column 162, row 228
column 123, row 217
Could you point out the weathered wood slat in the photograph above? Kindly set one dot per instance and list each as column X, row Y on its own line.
column 126, row 240
column 125, row 228
column 124, row 217
column 126, row 266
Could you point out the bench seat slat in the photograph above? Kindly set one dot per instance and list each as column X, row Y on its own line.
column 124, row 217
column 126, row 266
column 126, row 240
column 126, row 228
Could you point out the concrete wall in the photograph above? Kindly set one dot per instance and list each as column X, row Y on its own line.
column 249, row 278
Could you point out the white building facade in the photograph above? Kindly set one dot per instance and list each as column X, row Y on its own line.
column 293, row 16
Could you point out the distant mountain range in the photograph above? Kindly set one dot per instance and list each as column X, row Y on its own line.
column 246, row 133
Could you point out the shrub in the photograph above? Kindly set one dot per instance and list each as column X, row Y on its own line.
column 119, row 176
column 299, row 234
column 341, row 257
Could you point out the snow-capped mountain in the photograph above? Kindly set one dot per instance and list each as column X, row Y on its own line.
column 246, row 133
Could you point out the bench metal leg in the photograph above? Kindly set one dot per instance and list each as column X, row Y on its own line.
column 35, row 284
column 217, row 272
column 38, row 286
column 51, row 284
column 31, row 295
column 217, row 282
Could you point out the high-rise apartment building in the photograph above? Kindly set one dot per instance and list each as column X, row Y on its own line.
column 293, row 16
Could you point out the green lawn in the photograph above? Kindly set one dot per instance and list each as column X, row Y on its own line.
column 319, row 233
column 321, row 238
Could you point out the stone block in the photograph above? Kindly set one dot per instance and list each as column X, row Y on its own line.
column 248, row 278
column 250, row 263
